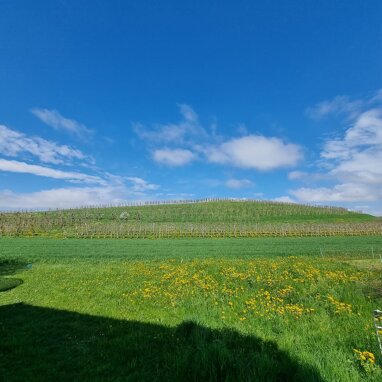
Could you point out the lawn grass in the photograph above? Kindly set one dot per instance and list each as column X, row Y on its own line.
column 269, row 309
column 104, row 250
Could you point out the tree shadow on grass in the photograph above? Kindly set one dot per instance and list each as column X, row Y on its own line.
column 10, row 267
column 40, row 344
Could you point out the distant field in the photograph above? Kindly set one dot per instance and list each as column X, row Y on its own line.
column 57, row 250
column 190, row 309
column 199, row 219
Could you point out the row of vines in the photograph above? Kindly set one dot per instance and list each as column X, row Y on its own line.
column 208, row 218
column 168, row 230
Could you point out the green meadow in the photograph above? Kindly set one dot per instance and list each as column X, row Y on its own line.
column 267, row 309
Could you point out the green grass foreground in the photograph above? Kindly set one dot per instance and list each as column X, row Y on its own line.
column 270, row 309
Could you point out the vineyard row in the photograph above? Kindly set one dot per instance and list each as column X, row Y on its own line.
column 184, row 230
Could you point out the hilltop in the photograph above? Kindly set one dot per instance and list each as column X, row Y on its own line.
column 216, row 218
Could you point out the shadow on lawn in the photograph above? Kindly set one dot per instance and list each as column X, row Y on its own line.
column 40, row 344
column 10, row 267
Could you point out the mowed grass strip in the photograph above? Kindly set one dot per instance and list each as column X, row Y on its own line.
column 189, row 310
column 99, row 250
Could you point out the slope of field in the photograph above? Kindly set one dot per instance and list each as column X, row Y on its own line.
column 269, row 309
column 197, row 219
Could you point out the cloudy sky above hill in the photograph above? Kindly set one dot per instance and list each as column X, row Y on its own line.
column 109, row 102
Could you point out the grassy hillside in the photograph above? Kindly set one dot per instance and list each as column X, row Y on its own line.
column 198, row 219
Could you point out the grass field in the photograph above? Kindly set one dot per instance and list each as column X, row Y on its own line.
column 269, row 309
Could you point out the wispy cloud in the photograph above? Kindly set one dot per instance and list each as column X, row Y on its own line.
column 357, row 157
column 284, row 199
column 54, row 119
column 177, row 133
column 70, row 197
column 366, row 131
column 141, row 185
column 14, row 143
column 239, row 183
column 24, row 154
column 336, row 106
column 309, row 177
column 25, row 168
column 353, row 160
column 344, row 106
column 297, row 175
column 60, row 198
column 173, row 157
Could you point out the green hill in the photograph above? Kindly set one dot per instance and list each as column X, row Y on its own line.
column 220, row 218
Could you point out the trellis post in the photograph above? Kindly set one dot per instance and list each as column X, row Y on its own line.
column 377, row 318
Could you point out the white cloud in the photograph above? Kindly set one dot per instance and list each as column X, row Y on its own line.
column 177, row 133
column 141, row 185
column 54, row 119
column 189, row 114
column 60, row 198
column 366, row 131
column 14, row 143
column 257, row 152
column 173, row 157
column 238, row 183
column 353, row 161
column 309, row 177
column 25, row 168
column 284, row 199
column 296, row 175
column 101, row 188
column 364, row 166
column 112, row 192
column 248, row 151
column 357, row 157
column 345, row 192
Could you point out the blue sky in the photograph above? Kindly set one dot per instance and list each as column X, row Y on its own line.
column 114, row 101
